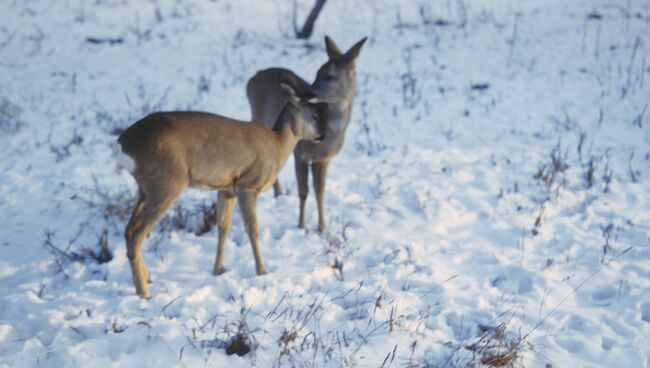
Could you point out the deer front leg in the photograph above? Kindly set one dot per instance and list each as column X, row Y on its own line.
column 225, row 204
column 319, row 172
column 302, row 174
column 248, row 205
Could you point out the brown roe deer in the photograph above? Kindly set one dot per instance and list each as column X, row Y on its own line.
column 334, row 86
column 173, row 150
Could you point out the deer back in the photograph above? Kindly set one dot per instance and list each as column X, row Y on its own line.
column 265, row 95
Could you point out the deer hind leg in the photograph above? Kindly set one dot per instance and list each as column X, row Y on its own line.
column 150, row 208
column 247, row 200
column 131, row 225
column 302, row 175
column 225, row 204
column 319, row 172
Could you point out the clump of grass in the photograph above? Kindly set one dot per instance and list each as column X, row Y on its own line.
column 539, row 219
column 492, row 347
column 243, row 341
column 240, row 344
column 286, row 340
column 103, row 255
column 73, row 251
column 550, row 172
column 208, row 219
column 300, row 332
column 338, row 249
column 236, row 338
column 495, row 347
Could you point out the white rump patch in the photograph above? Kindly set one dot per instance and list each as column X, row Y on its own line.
column 124, row 161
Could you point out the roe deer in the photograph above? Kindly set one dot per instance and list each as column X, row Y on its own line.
column 334, row 86
column 173, row 150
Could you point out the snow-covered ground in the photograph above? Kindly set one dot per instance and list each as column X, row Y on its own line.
column 491, row 204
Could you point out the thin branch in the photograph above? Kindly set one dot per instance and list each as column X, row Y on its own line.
column 308, row 27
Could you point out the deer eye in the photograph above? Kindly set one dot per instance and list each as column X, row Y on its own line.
column 330, row 77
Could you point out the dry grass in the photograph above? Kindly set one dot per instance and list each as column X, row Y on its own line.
column 495, row 348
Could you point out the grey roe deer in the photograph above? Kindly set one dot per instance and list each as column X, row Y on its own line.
column 334, row 86
column 173, row 150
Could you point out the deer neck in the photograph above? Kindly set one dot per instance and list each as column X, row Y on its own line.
column 338, row 115
column 342, row 107
column 283, row 128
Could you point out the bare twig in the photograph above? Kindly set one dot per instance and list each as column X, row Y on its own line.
column 628, row 83
column 308, row 27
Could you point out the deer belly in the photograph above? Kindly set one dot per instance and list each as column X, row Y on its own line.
column 211, row 184
column 214, row 181
column 259, row 180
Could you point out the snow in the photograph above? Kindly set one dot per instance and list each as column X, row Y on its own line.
column 495, row 177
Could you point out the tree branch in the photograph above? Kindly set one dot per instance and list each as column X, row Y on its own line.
column 308, row 27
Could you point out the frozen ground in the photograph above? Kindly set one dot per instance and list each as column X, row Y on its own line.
column 492, row 197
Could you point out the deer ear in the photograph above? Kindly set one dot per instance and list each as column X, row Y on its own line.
column 290, row 94
column 333, row 51
column 353, row 52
